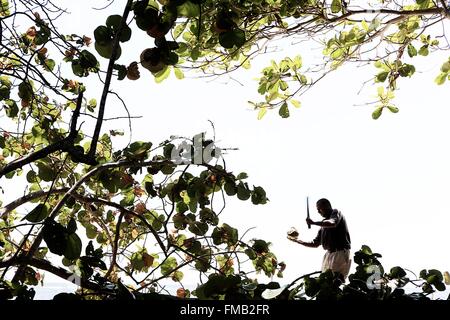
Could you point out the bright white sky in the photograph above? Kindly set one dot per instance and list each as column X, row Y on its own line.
column 389, row 177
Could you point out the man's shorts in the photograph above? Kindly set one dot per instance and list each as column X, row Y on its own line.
column 338, row 261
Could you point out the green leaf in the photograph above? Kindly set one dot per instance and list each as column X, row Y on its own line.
column 198, row 228
column 243, row 193
column 397, row 272
column 440, row 286
column 178, row 30
column 393, row 109
column 43, row 34
column 440, row 79
column 283, row 85
column 284, row 111
column 262, row 112
column 168, row 265
column 295, row 103
column 178, row 73
column 55, row 236
column 77, row 69
column 162, row 75
column 168, row 169
column 122, row 71
column 242, row 176
column 437, row 274
column 336, row 6
column 31, row 175
column 137, row 261
column 423, row 51
column 49, row 64
column 11, row 108
column 88, row 60
column 72, row 226
column 91, row 231
column 412, row 51
column 406, row 70
column 103, row 35
column 73, row 247
column 177, row 276
column 128, row 199
column 381, row 77
column 208, row 216
column 171, row 59
column 377, row 113
column 230, row 188
column 445, row 67
column 259, row 196
column 25, row 91
column 39, row 213
column 5, row 92
column 364, row 25
column 188, row 10
column 125, row 35
column 138, row 149
column 229, row 39
column 423, row 274
column 113, row 21
column 105, row 50
column 260, row 246
column 92, row 103
column 46, row 172
column 251, row 253
column 195, row 53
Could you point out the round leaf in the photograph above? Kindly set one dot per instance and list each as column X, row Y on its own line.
column 243, row 193
column 377, row 113
column 113, row 21
column 284, row 111
column 103, row 35
column 168, row 266
column 73, row 247
column 229, row 39
column 39, row 213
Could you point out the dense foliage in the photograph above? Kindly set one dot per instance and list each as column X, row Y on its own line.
column 117, row 222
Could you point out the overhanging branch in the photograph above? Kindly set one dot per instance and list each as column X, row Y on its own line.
column 66, row 145
column 29, row 197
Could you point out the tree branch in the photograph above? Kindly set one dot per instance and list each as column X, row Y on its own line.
column 115, row 246
column 66, row 144
column 101, row 110
column 29, row 197
column 60, row 272
column 123, row 211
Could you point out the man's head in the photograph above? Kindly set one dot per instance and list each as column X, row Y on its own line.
column 324, row 207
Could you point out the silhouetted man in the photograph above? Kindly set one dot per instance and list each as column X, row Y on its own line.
column 333, row 236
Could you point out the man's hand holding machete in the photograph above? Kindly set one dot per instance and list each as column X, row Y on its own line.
column 333, row 236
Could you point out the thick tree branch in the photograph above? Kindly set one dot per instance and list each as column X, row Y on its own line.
column 29, row 197
column 60, row 272
column 66, row 144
